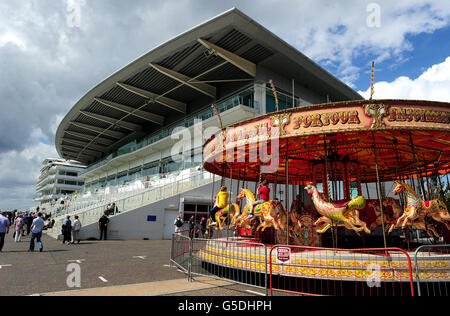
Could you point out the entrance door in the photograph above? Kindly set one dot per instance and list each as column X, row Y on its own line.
column 169, row 218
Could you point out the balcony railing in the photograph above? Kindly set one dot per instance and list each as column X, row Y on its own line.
column 93, row 209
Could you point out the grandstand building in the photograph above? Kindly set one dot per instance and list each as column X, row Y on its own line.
column 122, row 129
column 58, row 178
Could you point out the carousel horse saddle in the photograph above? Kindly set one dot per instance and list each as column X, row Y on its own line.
column 341, row 204
column 427, row 204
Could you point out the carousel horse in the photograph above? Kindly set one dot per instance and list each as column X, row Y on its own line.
column 417, row 210
column 231, row 211
column 340, row 214
column 389, row 223
column 396, row 210
column 297, row 208
column 266, row 213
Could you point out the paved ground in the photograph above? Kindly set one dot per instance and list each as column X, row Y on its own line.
column 105, row 266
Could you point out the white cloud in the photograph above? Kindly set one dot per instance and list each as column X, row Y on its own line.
column 432, row 85
column 19, row 171
column 10, row 38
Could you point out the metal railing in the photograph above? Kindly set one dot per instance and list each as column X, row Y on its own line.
column 316, row 271
column 245, row 263
column 172, row 187
column 434, row 268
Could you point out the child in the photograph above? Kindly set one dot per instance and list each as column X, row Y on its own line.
column 264, row 193
column 221, row 203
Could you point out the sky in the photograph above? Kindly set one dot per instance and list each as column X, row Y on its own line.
column 52, row 52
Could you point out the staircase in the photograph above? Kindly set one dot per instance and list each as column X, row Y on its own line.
column 133, row 200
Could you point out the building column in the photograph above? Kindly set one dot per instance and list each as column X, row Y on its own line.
column 260, row 96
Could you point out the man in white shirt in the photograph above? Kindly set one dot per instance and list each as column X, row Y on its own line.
column 4, row 229
column 36, row 232
column 76, row 230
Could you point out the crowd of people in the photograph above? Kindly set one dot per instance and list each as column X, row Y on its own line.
column 33, row 224
column 24, row 223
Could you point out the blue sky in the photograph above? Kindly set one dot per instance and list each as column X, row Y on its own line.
column 427, row 50
column 47, row 65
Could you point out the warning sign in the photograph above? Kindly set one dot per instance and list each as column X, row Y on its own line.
column 283, row 255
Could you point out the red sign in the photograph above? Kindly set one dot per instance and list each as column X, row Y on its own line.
column 283, row 254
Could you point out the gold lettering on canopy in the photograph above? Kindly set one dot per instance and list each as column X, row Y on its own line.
column 418, row 115
column 326, row 119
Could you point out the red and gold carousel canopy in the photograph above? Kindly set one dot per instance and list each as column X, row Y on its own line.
column 404, row 138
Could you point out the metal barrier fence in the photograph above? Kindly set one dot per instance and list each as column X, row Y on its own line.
column 433, row 270
column 237, row 261
column 180, row 250
column 314, row 271
column 340, row 272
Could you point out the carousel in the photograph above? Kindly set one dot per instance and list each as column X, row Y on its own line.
column 341, row 175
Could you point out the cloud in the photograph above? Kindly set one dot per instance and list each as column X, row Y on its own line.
column 19, row 171
column 432, row 85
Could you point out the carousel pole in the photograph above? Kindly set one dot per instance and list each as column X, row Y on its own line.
column 275, row 94
column 428, row 180
column 229, row 200
column 328, row 188
column 372, row 81
column 419, row 180
column 358, row 174
column 367, row 189
column 379, row 189
column 401, row 196
column 209, row 230
column 244, row 181
column 327, row 193
column 275, row 186
column 287, row 193
column 441, row 191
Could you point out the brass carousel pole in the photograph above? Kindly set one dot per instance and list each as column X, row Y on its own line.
column 419, row 180
column 372, row 81
column 328, row 188
column 229, row 200
column 287, row 192
column 379, row 189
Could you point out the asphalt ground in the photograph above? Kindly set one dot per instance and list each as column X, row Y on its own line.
column 103, row 265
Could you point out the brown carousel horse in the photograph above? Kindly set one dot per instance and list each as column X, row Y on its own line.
column 230, row 211
column 389, row 223
column 265, row 214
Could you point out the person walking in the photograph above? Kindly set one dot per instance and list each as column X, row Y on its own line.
column 178, row 223
column 203, row 226
column 29, row 222
column 103, row 227
column 76, row 230
column 191, row 226
column 4, row 229
column 66, row 230
column 18, row 228
column 36, row 232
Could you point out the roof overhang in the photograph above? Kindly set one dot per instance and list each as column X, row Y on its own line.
column 169, row 81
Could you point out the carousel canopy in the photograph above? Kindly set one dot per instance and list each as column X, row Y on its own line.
column 343, row 141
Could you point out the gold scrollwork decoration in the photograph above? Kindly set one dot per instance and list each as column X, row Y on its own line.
column 377, row 112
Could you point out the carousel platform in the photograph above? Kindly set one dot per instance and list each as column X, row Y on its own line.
column 325, row 264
